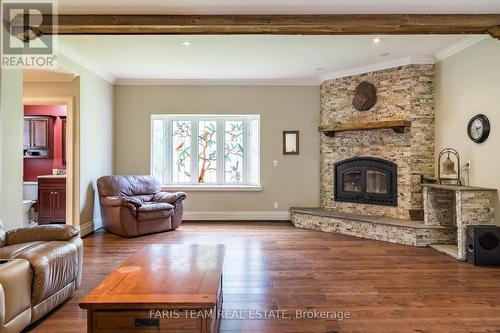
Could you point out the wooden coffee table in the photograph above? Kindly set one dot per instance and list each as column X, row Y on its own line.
column 161, row 288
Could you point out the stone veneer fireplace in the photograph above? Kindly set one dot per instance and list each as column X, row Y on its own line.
column 405, row 92
column 371, row 177
column 373, row 162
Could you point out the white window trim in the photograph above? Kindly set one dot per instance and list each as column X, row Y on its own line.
column 220, row 185
column 212, row 188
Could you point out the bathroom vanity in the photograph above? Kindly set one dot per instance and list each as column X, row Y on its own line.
column 51, row 199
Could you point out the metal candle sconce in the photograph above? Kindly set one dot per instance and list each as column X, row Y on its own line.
column 448, row 165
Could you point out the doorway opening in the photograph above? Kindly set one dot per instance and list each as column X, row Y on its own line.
column 51, row 149
column 44, row 164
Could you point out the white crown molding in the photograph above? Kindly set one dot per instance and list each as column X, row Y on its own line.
column 216, row 82
column 411, row 60
column 456, row 47
column 70, row 54
column 237, row 215
column 459, row 46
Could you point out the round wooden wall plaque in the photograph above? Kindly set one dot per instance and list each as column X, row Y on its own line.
column 365, row 96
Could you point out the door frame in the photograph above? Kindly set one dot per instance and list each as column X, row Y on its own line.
column 72, row 151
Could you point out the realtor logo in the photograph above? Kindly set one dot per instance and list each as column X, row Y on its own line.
column 27, row 34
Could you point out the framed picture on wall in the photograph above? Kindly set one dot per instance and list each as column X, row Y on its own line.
column 290, row 142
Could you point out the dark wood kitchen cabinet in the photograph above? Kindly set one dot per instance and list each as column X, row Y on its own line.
column 51, row 200
column 40, row 133
column 36, row 136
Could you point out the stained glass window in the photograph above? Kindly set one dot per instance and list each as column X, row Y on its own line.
column 233, row 151
column 181, row 148
column 254, row 152
column 206, row 150
column 158, row 149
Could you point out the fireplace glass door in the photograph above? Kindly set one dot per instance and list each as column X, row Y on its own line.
column 352, row 181
column 377, row 182
column 366, row 180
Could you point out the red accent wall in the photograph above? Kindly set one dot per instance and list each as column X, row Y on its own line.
column 38, row 167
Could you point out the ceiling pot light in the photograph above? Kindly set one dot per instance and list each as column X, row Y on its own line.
column 385, row 54
column 186, row 43
column 377, row 40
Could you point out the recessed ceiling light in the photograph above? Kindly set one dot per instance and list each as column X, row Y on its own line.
column 319, row 68
column 376, row 40
column 385, row 54
column 186, row 43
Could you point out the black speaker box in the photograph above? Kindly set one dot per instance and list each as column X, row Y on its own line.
column 483, row 245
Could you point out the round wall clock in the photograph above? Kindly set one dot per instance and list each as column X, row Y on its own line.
column 478, row 128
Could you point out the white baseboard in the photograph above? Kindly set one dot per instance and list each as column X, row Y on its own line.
column 95, row 224
column 237, row 215
column 90, row 226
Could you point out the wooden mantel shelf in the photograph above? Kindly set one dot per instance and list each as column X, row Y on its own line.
column 397, row 125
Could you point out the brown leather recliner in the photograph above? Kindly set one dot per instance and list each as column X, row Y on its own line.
column 40, row 268
column 135, row 205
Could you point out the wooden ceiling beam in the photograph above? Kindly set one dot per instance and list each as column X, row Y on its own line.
column 495, row 31
column 345, row 24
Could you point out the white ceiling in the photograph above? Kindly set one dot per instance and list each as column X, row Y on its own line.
column 299, row 59
column 277, row 6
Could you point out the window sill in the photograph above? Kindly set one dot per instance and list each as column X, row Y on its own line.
column 213, row 188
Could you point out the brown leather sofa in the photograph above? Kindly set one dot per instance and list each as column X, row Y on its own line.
column 135, row 205
column 40, row 268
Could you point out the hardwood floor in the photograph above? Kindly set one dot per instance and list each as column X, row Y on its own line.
column 385, row 287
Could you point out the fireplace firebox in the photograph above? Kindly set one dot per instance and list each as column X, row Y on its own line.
column 366, row 180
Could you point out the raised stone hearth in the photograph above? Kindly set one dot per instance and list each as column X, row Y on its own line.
column 373, row 227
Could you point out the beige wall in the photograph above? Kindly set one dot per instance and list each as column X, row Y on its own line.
column 468, row 83
column 11, row 146
column 94, row 101
column 96, row 140
column 294, row 182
